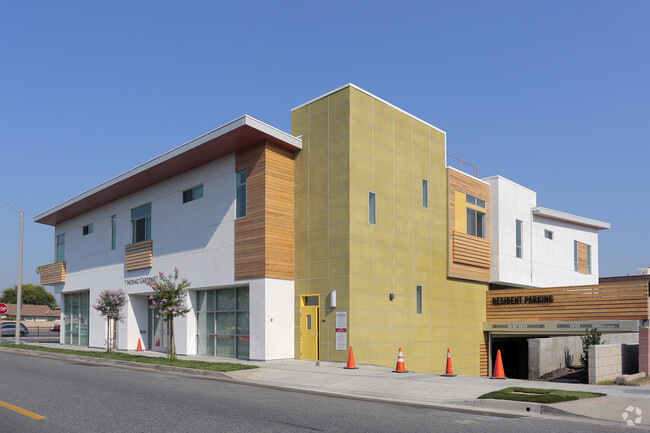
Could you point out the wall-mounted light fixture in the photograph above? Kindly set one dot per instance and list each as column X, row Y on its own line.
column 333, row 299
column 391, row 296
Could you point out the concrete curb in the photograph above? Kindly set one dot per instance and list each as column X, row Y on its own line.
column 502, row 408
column 118, row 362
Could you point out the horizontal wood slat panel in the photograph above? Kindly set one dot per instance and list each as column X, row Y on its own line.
column 54, row 273
column 469, row 256
column 484, row 368
column 627, row 301
column 138, row 255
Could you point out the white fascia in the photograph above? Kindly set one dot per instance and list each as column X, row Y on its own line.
column 567, row 217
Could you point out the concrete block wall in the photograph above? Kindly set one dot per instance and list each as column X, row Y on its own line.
column 644, row 349
column 608, row 361
column 548, row 354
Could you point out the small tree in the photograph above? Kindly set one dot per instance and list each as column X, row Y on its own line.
column 168, row 302
column 591, row 338
column 110, row 304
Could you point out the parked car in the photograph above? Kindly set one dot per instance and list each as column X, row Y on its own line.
column 56, row 327
column 9, row 329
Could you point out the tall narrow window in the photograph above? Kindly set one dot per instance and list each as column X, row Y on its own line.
column 241, row 193
column 519, row 228
column 418, row 299
column 141, row 223
column 589, row 259
column 575, row 256
column 60, row 248
column 372, row 208
column 113, row 231
column 425, row 193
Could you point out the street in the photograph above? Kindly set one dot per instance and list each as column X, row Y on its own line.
column 79, row 397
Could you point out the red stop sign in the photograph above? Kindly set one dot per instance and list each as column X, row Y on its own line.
column 3, row 308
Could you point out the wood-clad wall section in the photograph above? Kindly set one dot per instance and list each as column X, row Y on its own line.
column 264, row 238
column 469, row 256
column 484, row 368
column 583, row 267
column 54, row 273
column 622, row 301
column 138, row 255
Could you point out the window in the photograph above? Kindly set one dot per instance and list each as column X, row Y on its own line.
column 476, row 220
column 60, row 248
column 193, row 194
column 372, row 208
column 75, row 318
column 470, row 199
column 519, row 228
column 589, row 259
column 241, row 193
column 418, row 299
column 88, row 229
column 223, row 323
column 113, row 231
column 425, row 193
column 141, row 223
column 476, row 223
column 548, row 234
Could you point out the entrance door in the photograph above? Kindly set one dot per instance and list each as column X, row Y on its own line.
column 309, row 327
column 157, row 333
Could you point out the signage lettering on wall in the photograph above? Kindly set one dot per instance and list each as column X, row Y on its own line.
column 341, row 330
column 517, row 300
column 141, row 280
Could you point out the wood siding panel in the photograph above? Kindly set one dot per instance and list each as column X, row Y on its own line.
column 582, row 258
column 54, row 273
column 469, row 256
column 627, row 301
column 279, row 261
column 138, row 255
column 264, row 238
column 484, row 368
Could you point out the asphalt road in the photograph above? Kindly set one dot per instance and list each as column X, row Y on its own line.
column 79, row 397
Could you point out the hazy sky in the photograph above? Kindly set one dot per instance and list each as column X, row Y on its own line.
column 554, row 95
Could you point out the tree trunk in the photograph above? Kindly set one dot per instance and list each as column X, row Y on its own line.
column 169, row 354
column 108, row 334
column 173, row 341
column 114, row 335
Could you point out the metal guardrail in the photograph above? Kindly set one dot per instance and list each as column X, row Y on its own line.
column 460, row 165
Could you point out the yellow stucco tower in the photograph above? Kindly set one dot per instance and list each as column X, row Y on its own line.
column 372, row 230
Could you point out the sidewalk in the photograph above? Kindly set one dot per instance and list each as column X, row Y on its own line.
column 460, row 392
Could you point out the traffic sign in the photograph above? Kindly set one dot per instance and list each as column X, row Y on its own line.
column 3, row 309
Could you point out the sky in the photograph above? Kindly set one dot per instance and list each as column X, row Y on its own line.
column 554, row 95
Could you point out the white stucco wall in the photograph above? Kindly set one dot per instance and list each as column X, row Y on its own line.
column 196, row 237
column 544, row 262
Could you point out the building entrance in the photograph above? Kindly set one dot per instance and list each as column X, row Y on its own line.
column 309, row 327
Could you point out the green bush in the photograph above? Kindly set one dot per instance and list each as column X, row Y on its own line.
column 592, row 337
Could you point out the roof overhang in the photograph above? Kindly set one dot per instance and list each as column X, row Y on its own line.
column 567, row 217
column 231, row 137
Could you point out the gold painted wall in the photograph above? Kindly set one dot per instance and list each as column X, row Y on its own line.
column 354, row 143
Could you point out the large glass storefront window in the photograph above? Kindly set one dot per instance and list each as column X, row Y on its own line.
column 223, row 323
column 75, row 318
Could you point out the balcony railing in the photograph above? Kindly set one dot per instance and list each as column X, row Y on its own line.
column 471, row 250
column 139, row 255
column 469, row 169
column 51, row 274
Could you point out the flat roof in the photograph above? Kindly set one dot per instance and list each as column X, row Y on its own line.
column 371, row 95
column 567, row 217
column 238, row 134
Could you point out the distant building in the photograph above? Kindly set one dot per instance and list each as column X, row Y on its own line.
column 33, row 312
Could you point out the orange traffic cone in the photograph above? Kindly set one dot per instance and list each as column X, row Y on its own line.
column 498, row 368
column 139, row 348
column 400, row 363
column 449, row 372
column 351, row 365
